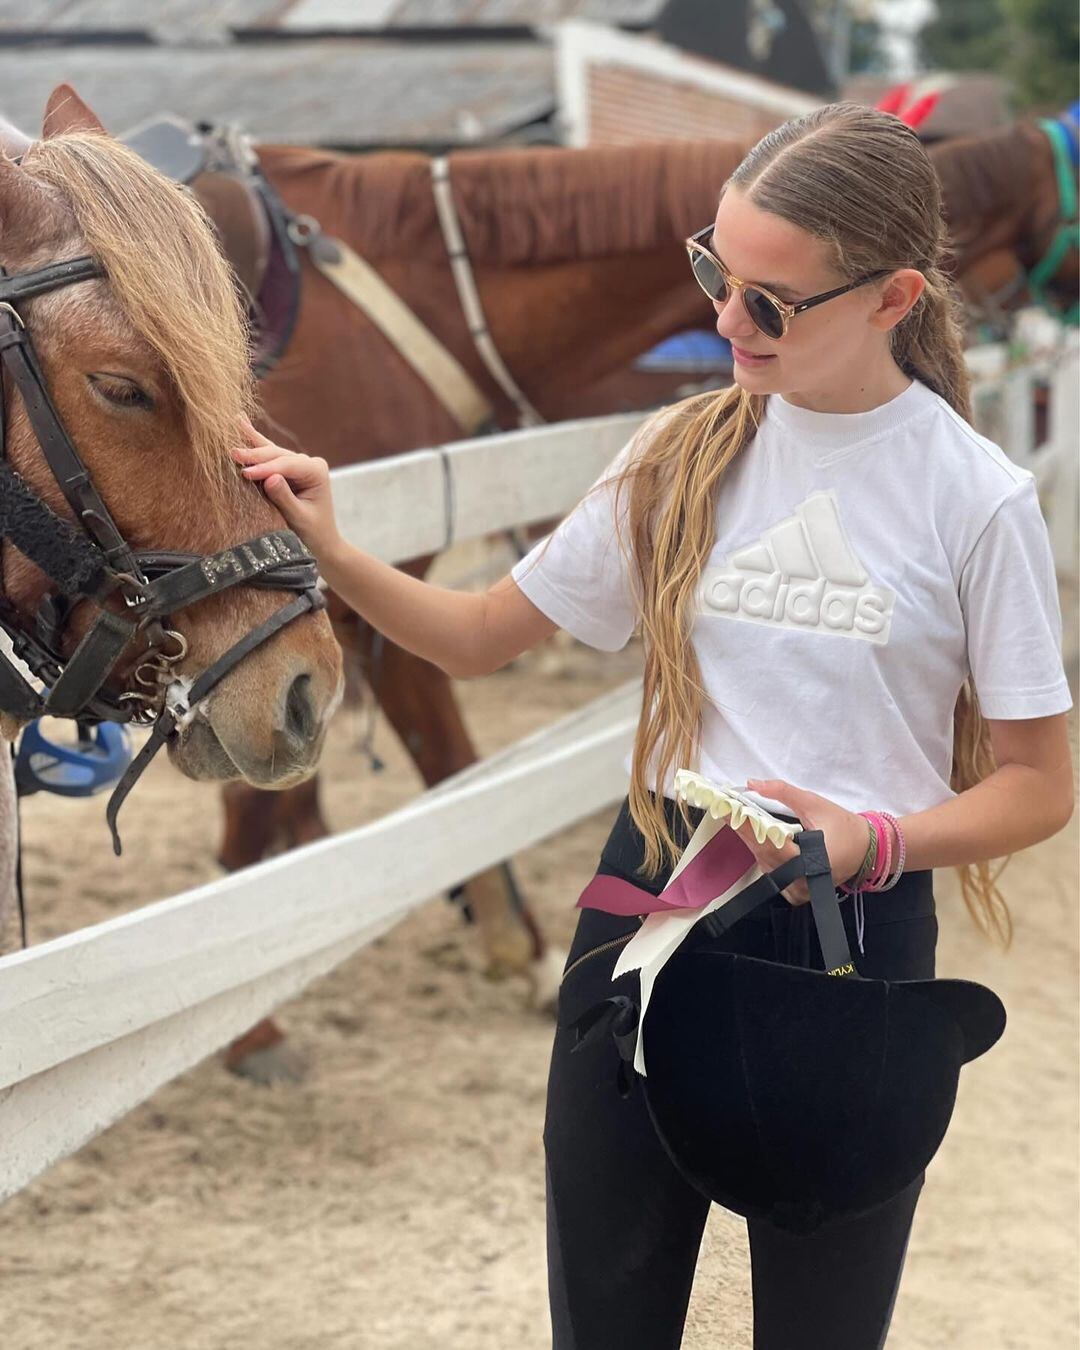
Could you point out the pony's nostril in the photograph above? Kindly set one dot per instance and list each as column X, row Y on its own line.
column 301, row 719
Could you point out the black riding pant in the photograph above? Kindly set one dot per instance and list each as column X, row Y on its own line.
column 624, row 1227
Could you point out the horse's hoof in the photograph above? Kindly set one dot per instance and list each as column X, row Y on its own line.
column 545, row 976
column 281, row 1063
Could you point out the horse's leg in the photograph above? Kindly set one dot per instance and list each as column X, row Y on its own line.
column 252, row 824
column 419, row 703
column 255, row 820
column 418, row 700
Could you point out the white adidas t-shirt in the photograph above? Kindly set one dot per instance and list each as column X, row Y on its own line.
column 864, row 563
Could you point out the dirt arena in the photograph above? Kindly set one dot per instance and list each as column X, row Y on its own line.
column 394, row 1200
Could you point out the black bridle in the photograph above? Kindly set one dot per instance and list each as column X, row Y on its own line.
column 89, row 559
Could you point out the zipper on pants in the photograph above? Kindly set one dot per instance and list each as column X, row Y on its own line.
column 604, row 947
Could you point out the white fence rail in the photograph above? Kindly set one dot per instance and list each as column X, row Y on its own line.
column 92, row 1023
column 1006, row 399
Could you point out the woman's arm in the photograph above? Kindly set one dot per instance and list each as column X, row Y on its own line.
column 1027, row 798
column 465, row 634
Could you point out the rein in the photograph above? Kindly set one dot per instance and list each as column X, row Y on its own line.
column 89, row 559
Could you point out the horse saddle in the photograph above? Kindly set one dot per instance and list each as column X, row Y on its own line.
column 250, row 220
column 174, row 146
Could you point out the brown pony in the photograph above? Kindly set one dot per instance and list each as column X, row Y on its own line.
column 148, row 371
column 1003, row 210
column 578, row 259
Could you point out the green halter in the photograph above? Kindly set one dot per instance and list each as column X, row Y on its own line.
column 1067, row 235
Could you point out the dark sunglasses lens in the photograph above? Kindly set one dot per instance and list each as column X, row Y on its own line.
column 710, row 278
column 764, row 313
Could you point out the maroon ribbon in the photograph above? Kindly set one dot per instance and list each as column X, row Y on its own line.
column 717, row 867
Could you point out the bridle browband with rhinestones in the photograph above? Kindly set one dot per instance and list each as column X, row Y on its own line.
column 91, row 560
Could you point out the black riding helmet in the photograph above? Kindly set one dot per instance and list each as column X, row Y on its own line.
column 797, row 1096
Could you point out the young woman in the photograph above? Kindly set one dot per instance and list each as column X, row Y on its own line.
column 847, row 602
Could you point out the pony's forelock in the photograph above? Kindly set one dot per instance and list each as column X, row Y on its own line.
column 166, row 273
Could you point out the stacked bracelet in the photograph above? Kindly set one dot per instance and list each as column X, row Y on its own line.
column 868, row 865
column 884, row 867
column 878, row 870
column 901, row 853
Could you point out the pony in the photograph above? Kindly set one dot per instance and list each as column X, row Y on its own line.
column 143, row 363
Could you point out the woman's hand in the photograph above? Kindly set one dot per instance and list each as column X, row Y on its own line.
column 846, row 834
column 298, row 485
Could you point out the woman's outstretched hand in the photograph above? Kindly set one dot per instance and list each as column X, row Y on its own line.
column 298, row 485
column 845, row 833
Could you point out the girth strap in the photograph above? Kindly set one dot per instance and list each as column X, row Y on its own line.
column 469, row 296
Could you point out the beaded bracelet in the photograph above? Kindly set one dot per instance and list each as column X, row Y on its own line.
column 901, row 850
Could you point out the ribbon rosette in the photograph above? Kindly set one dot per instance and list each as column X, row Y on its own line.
column 723, row 802
column 714, row 866
column 701, row 873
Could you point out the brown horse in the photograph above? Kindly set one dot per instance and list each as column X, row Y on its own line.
column 578, row 260
column 1003, row 210
column 147, row 369
column 574, row 258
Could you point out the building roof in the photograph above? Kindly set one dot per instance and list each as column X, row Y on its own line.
column 335, row 92
column 171, row 19
column 967, row 104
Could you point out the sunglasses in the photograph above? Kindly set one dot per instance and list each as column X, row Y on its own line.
column 768, row 313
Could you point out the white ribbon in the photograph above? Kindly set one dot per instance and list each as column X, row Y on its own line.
column 658, row 938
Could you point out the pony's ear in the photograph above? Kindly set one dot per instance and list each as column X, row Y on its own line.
column 13, row 142
column 65, row 111
column 20, row 195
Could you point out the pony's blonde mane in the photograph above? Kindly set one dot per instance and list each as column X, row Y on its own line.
column 167, row 274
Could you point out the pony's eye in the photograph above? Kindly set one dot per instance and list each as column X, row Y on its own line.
column 120, row 391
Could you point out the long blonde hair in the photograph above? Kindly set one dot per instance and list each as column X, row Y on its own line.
column 859, row 180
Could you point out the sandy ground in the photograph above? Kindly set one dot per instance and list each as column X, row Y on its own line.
column 394, row 1201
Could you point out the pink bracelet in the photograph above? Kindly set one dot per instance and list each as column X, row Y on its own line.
column 901, row 851
column 884, row 875
column 884, row 852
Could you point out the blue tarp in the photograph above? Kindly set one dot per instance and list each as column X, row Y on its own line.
column 698, row 349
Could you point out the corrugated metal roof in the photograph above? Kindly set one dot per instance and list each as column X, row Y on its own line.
column 343, row 92
column 505, row 13
column 207, row 19
column 152, row 17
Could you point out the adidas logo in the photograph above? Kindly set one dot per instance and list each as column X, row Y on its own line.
column 803, row 574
